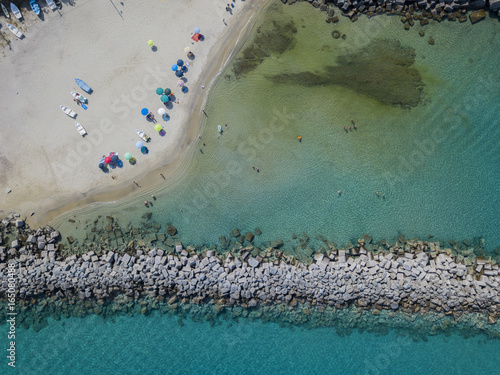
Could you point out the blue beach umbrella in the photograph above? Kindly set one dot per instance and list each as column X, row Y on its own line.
column 180, row 62
column 164, row 98
column 174, row 67
column 144, row 150
column 139, row 144
column 179, row 73
column 144, row 111
column 197, row 30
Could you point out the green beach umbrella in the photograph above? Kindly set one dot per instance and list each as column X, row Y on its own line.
column 159, row 91
column 164, row 98
column 168, row 91
column 127, row 156
column 150, row 43
column 158, row 127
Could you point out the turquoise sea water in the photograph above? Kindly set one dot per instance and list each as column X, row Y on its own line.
column 159, row 345
column 437, row 164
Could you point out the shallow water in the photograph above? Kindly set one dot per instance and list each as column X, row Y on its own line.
column 159, row 344
column 437, row 163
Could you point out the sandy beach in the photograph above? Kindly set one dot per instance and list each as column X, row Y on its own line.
column 47, row 167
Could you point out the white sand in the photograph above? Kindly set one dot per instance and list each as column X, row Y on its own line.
column 43, row 159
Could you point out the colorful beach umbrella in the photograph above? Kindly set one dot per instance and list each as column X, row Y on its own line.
column 164, row 98
column 197, row 30
column 180, row 62
column 161, row 111
column 144, row 111
column 127, row 156
column 150, row 43
column 179, row 73
column 174, row 67
column 187, row 49
column 139, row 144
column 180, row 83
column 159, row 91
column 168, row 91
column 158, row 127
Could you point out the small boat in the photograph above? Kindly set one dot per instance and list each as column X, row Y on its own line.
column 68, row 111
column 5, row 11
column 15, row 31
column 79, row 97
column 16, row 11
column 219, row 129
column 143, row 135
column 35, row 7
column 51, row 4
column 58, row 3
column 80, row 129
column 83, row 85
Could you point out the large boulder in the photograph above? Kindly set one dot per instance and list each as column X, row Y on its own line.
column 478, row 15
column 494, row 5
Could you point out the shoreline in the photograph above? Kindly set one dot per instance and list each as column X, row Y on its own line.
column 173, row 168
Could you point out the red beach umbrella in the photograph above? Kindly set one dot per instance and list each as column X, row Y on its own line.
column 107, row 159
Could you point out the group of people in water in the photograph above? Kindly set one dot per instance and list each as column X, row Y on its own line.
column 351, row 127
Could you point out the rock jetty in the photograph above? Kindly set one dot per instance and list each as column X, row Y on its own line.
column 412, row 11
column 414, row 277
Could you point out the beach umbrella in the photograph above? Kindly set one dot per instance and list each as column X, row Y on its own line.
column 180, row 83
column 179, row 73
column 184, row 68
column 127, row 156
column 114, row 159
column 180, row 62
column 144, row 111
column 159, row 91
column 187, row 49
column 144, row 150
column 197, row 30
column 185, row 89
column 107, row 160
column 161, row 111
column 150, row 43
column 168, row 91
column 158, row 127
column 139, row 144
column 164, row 98
column 174, row 67
column 101, row 165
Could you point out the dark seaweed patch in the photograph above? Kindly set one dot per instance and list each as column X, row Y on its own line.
column 382, row 71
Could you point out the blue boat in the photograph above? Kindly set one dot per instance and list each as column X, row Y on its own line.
column 83, row 85
column 35, row 7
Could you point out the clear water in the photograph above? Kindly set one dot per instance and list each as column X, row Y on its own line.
column 437, row 163
column 159, row 345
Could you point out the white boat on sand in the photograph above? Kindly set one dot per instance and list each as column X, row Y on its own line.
column 80, row 129
column 15, row 31
column 68, row 111
column 16, row 11
column 5, row 11
column 143, row 135
column 51, row 4
column 79, row 97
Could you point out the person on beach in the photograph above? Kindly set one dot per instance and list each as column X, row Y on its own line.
column 153, row 196
column 225, row 125
column 146, row 203
column 383, row 196
column 354, row 126
column 205, row 113
column 162, row 176
column 257, row 169
column 299, row 138
column 378, row 194
column 345, row 129
column 339, row 192
column 136, row 183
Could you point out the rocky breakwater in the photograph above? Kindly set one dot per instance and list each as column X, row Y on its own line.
column 415, row 277
column 411, row 10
